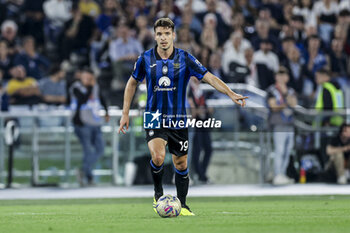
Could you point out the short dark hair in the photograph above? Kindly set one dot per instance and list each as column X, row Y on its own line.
column 282, row 70
column 323, row 71
column 55, row 68
column 342, row 127
column 314, row 36
column 288, row 39
column 344, row 13
column 164, row 22
column 87, row 70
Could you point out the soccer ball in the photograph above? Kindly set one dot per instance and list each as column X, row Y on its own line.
column 168, row 206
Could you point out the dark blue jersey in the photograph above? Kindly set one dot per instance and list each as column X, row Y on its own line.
column 167, row 80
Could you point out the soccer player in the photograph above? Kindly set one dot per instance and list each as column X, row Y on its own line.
column 167, row 71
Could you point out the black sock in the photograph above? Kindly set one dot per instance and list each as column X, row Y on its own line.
column 181, row 182
column 157, row 174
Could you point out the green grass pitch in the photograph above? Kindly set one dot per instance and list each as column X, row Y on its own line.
column 214, row 214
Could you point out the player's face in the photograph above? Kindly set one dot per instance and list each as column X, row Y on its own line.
column 164, row 37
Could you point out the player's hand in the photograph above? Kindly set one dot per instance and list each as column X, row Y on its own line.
column 239, row 99
column 124, row 124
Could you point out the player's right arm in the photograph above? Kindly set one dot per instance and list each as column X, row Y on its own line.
column 129, row 93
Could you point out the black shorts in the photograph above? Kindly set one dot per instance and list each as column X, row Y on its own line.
column 177, row 139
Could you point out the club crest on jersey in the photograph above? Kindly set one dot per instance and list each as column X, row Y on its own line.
column 165, row 70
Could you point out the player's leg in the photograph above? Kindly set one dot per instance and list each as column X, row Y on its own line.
column 181, row 177
column 178, row 147
column 182, row 181
column 157, row 149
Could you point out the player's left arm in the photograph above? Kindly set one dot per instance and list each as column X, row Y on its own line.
column 219, row 85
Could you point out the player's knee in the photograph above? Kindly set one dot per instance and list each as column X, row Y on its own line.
column 180, row 165
column 158, row 158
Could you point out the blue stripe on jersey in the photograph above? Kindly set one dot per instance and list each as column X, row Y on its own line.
column 151, row 103
column 171, row 93
column 176, row 81
column 181, row 86
column 159, row 94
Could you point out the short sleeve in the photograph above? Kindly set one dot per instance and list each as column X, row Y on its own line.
column 139, row 69
column 195, row 67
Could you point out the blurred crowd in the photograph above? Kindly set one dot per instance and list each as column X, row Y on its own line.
column 43, row 42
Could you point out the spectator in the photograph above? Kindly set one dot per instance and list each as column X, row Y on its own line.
column 201, row 138
column 326, row 13
column 238, row 22
column 185, row 40
column 209, row 38
column 14, row 9
column 6, row 61
column 34, row 20
column 314, row 57
column 246, row 9
column 263, row 33
column 266, row 56
column 123, row 52
column 86, row 102
column 53, row 88
column 304, row 8
column 287, row 13
column 89, row 8
column 297, row 25
column 142, row 8
column 297, row 70
column 338, row 150
column 339, row 62
column 265, row 15
column 287, row 43
column 144, row 33
column 204, row 56
column 222, row 31
column 329, row 97
column 252, row 78
column 9, row 34
column 77, row 34
column 215, row 66
column 35, row 64
column 341, row 33
column 167, row 10
column 233, row 54
column 281, row 101
column 21, row 88
column 187, row 19
column 109, row 17
column 57, row 13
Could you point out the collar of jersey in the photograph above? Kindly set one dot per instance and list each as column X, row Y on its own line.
column 158, row 56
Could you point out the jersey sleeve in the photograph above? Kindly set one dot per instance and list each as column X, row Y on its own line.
column 139, row 69
column 195, row 67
